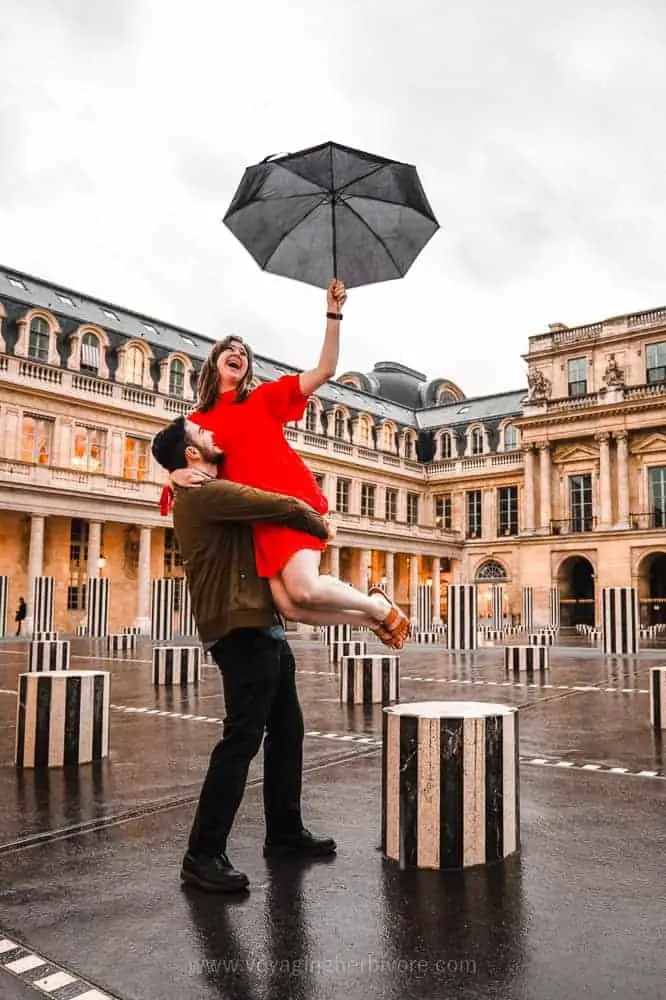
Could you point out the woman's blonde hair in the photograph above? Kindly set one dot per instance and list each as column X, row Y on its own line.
column 208, row 385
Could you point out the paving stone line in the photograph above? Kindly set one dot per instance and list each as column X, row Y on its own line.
column 44, row 976
column 453, row 680
column 373, row 741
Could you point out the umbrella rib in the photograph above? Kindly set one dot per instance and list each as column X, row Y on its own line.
column 376, row 236
column 388, row 201
column 290, row 231
column 355, row 180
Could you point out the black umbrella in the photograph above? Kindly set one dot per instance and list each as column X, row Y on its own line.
column 331, row 211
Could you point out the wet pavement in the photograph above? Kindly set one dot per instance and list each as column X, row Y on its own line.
column 89, row 857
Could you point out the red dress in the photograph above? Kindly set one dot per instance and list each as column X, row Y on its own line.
column 257, row 454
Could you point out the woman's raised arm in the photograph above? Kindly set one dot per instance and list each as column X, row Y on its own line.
column 336, row 296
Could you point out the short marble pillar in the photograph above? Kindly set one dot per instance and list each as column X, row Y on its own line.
column 120, row 643
column 62, row 718
column 49, row 656
column 337, row 650
column 658, row 697
column 526, row 658
column 369, row 680
column 619, row 621
column 337, row 633
column 450, row 790
column 176, row 666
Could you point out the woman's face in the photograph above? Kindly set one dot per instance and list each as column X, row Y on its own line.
column 232, row 363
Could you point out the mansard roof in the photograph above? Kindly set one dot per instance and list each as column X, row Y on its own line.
column 72, row 308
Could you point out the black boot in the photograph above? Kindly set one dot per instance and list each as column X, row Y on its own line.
column 216, row 874
column 302, row 844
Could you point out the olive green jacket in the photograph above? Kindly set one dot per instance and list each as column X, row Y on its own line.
column 213, row 528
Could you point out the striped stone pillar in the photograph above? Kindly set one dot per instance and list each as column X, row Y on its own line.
column 131, row 630
column 527, row 613
column 337, row 650
column 497, row 603
column 428, row 638
column 369, row 680
column 554, row 607
column 450, row 792
column 526, row 658
column 541, row 638
column 619, row 621
column 463, row 617
column 161, row 610
column 43, row 597
column 120, row 643
column 45, row 636
column 4, row 604
column 337, row 633
column 62, row 718
column 424, row 607
column 186, row 623
column 176, row 666
column 48, row 656
column 658, row 697
column 97, row 607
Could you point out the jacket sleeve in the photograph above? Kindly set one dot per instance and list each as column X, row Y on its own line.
column 226, row 501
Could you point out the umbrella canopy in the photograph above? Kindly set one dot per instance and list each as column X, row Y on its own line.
column 332, row 212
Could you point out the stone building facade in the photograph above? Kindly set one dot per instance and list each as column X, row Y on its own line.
column 560, row 484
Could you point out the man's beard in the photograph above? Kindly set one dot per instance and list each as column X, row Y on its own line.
column 212, row 455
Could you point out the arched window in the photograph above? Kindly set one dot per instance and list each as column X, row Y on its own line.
column 38, row 345
column 364, row 432
column 177, row 378
column 135, row 362
column 446, row 444
column 311, row 417
column 387, row 437
column 409, row 447
column 510, row 437
column 491, row 570
column 339, row 425
column 90, row 353
column 477, row 441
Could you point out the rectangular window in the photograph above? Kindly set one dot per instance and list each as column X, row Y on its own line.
column 88, row 449
column 36, row 439
column 135, row 458
column 655, row 362
column 580, row 503
column 577, row 369
column 342, row 489
column 367, row 500
column 172, row 557
column 78, row 564
column 320, row 480
column 658, row 497
column 443, row 516
column 507, row 510
column 473, row 506
column 412, row 508
column 391, row 505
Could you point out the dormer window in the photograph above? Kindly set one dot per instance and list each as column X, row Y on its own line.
column 311, row 417
column 510, row 437
column 339, row 425
column 90, row 354
column 177, row 378
column 446, row 445
column 409, row 447
column 364, row 432
column 135, row 365
column 38, row 343
column 477, row 441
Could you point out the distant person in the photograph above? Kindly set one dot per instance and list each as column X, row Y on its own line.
column 21, row 612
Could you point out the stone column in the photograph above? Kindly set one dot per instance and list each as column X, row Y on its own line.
column 605, row 504
column 334, row 557
column 142, row 619
column 94, row 547
column 544, row 483
column 35, row 564
column 436, row 591
column 389, row 572
column 413, row 588
column 528, row 489
column 364, row 556
column 622, row 479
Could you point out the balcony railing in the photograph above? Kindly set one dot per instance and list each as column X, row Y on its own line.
column 62, row 480
column 573, row 525
column 648, row 520
column 474, row 464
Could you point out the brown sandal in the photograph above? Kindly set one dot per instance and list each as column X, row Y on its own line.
column 394, row 637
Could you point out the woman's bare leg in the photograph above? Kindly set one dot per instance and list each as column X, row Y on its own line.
column 309, row 616
column 306, row 588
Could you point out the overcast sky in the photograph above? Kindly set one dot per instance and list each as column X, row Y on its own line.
column 537, row 129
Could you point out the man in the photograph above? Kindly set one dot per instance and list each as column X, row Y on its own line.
column 237, row 622
column 20, row 615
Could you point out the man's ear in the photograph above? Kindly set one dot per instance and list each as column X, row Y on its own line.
column 192, row 454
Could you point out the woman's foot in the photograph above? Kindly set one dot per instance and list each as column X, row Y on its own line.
column 393, row 626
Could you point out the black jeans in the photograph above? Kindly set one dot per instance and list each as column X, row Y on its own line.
column 258, row 675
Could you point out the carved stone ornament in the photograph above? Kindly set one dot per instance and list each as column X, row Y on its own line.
column 614, row 375
column 539, row 386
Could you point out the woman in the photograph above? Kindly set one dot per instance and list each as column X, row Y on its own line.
column 248, row 427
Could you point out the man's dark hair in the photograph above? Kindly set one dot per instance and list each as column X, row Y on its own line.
column 169, row 445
